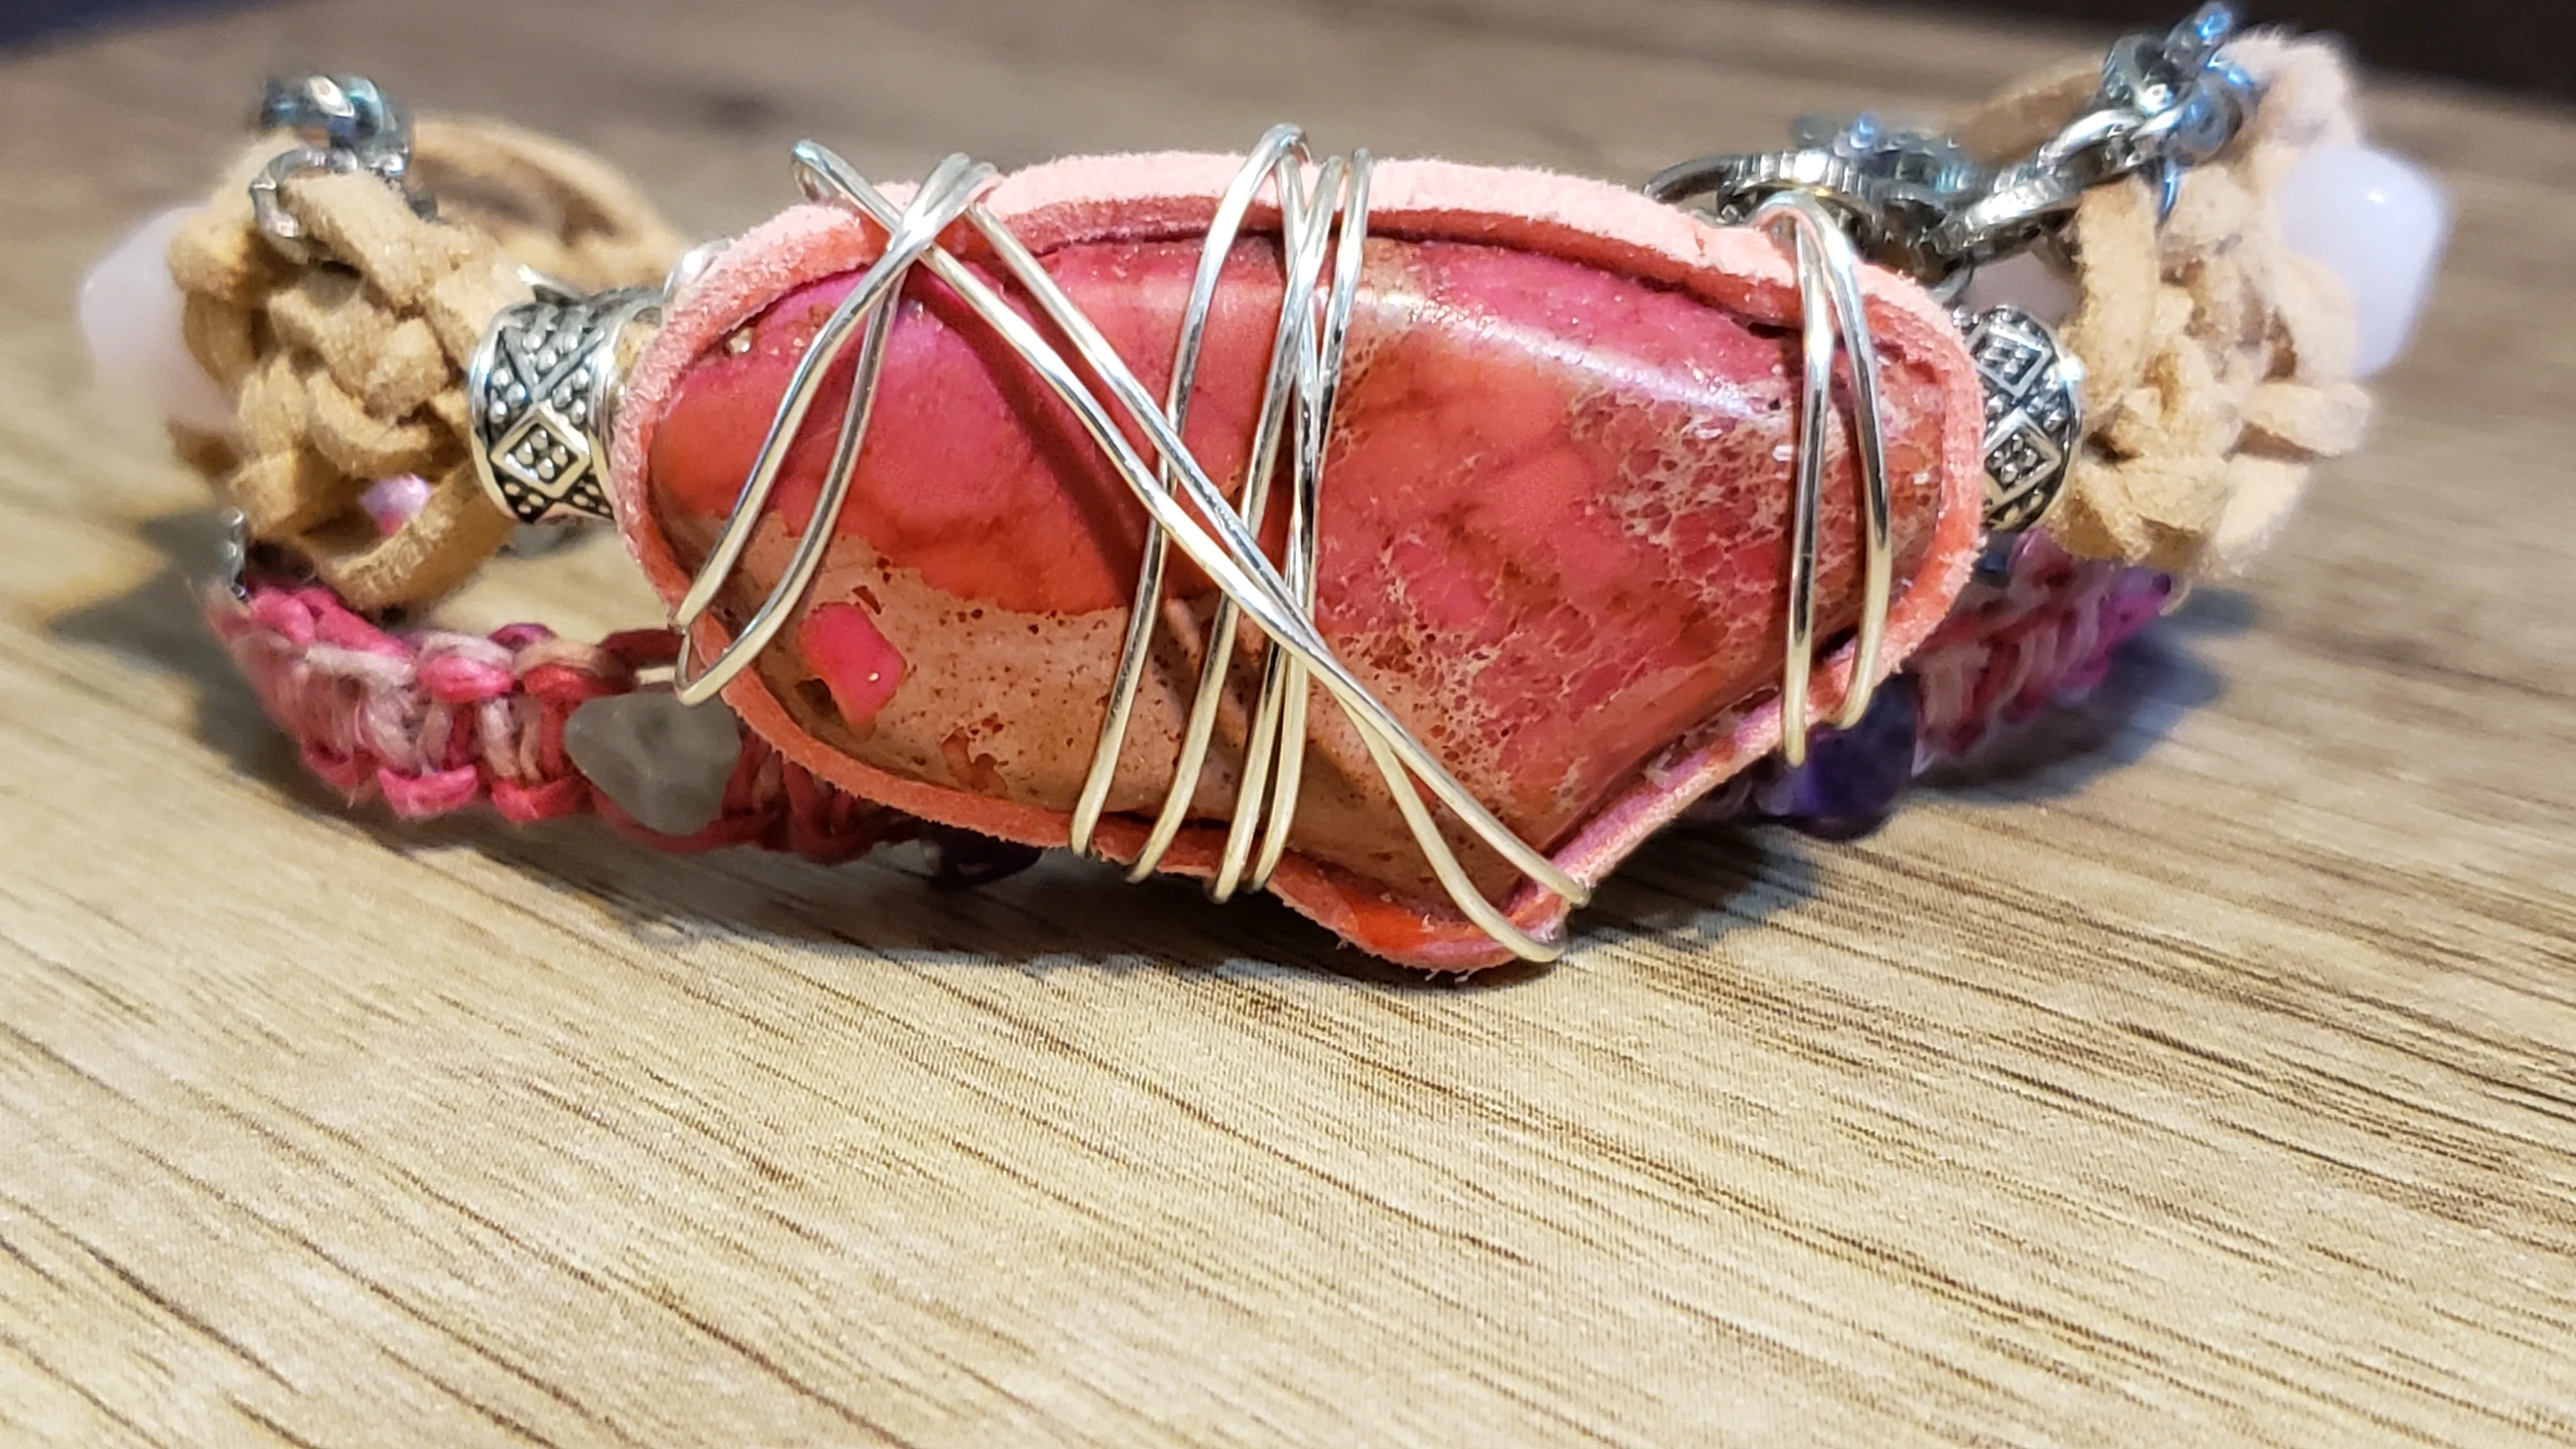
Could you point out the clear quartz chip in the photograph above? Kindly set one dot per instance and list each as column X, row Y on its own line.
column 661, row 761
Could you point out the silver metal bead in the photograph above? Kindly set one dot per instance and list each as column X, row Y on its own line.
column 2034, row 397
column 541, row 401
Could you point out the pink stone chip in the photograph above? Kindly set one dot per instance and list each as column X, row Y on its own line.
column 860, row 668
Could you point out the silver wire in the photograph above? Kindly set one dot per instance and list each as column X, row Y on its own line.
column 951, row 189
column 1222, row 541
column 1832, row 316
column 1280, row 160
column 1321, row 383
column 1321, row 220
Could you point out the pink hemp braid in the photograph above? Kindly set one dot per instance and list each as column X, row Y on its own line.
column 2043, row 636
column 436, row 721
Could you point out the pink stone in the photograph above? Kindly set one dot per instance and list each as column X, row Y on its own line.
column 856, row 663
column 1552, row 535
column 1553, row 522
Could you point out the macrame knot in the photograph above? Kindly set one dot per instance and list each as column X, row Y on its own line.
column 351, row 369
column 2219, row 363
column 433, row 721
column 2017, row 646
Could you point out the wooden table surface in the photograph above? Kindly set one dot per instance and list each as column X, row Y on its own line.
column 2212, row 1081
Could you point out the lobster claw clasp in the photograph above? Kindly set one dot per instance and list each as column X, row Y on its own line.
column 340, row 113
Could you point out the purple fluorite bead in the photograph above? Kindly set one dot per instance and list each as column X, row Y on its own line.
column 1852, row 778
column 964, row 860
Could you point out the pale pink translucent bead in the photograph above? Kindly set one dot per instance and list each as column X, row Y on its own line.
column 129, row 317
column 392, row 502
column 2380, row 222
column 2376, row 220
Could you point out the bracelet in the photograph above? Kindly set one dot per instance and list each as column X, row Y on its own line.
column 1409, row 540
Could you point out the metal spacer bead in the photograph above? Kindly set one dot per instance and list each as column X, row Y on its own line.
column 541, row 401
column 2034, row 398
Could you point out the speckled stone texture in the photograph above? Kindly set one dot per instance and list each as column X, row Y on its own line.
column 1553, row 520
column 1552, row 530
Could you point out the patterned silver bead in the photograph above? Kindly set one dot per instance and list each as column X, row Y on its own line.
column 541, row 398
column 2034, row 395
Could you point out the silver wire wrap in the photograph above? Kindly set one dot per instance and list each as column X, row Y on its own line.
column 1323, row 225
column 1327, row 218
column 1831, row 314
column 1305, row 373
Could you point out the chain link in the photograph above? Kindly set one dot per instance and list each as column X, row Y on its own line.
column 1915, row 201
column 345, row 124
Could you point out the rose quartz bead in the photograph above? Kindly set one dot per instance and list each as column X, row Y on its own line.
column 2380, row 222
column 129, row 317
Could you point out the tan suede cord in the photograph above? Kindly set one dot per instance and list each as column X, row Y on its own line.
column 351, row 369
column 2219, row 362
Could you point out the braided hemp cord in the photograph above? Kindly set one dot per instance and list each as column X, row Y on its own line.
column 434, row 721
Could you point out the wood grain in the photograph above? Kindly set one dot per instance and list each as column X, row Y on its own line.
column 2212, row 1079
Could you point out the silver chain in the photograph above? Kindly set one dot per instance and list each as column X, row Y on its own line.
column 344, row 124
column 1916, row 201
